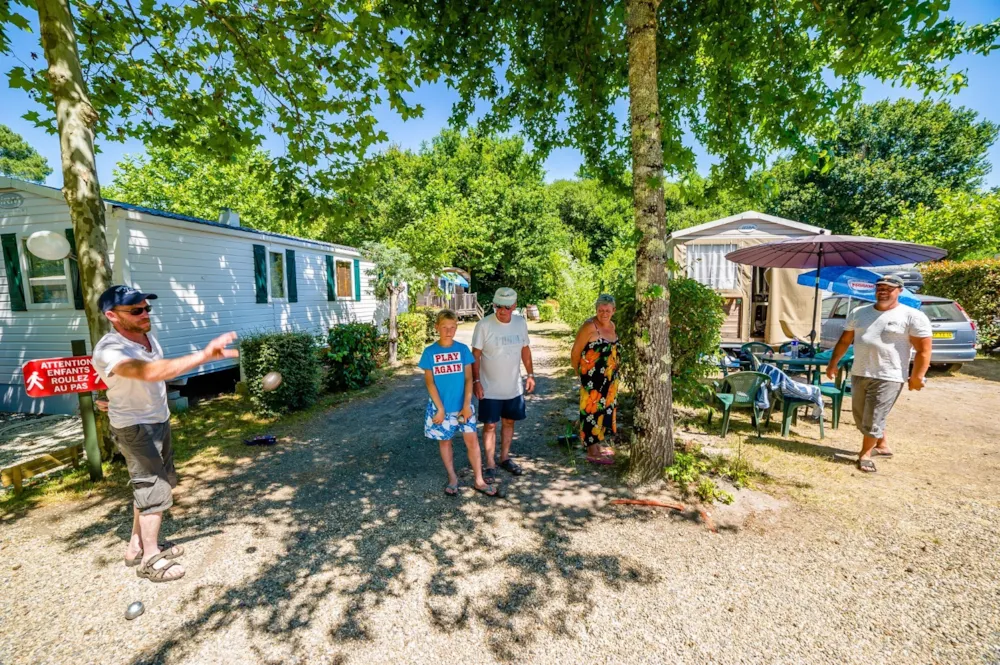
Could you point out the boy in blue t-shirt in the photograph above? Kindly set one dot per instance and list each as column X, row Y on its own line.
column 447, row 366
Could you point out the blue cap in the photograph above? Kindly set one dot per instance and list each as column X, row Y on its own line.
column 120, row 294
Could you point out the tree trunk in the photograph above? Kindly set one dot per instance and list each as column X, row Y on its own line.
column 76, row 118
column 654, row 445
column 393, row 332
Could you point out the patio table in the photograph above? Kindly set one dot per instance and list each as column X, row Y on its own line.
column 812, row 366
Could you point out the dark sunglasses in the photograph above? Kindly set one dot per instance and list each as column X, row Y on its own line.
column 136, row 311
column 507, row 307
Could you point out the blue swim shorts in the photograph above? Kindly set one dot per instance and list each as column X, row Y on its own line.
column 450, row 427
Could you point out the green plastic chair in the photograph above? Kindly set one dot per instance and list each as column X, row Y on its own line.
column 836, row 391
column 790, row 412
column 739, row 391
column 755, row 351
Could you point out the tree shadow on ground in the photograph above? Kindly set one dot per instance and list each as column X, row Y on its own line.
column 352, row 510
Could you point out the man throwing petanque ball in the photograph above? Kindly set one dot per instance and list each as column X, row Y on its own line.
column 131, row 363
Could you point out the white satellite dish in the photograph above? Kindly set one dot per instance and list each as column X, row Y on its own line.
column 48, row 245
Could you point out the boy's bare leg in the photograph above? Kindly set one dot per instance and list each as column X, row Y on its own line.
column 448, row 457
column 472, row 447
column 490, row 444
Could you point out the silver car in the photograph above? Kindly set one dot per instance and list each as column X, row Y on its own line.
column 954, row 332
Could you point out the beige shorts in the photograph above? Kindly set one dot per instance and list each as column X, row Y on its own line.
column 871, row 402
column 150, row 459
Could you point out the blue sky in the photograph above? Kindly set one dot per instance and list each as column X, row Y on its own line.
column 981, row 95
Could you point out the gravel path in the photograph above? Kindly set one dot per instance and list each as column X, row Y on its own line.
column 337, row 546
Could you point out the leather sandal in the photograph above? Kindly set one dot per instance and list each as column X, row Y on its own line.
column 152, row 574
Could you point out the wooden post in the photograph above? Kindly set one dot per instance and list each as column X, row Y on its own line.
column 90, row 443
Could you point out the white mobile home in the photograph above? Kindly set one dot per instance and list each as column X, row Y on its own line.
column 757, row 300
column 211, row 277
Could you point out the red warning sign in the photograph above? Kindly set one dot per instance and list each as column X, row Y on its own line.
column 58, row 376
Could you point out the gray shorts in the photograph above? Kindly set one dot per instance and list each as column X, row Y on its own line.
column 150, row 460
column 871, row 401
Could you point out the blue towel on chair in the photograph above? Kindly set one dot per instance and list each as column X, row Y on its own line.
column 789, row 388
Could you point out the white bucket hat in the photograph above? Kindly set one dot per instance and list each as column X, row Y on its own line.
column 505, row 296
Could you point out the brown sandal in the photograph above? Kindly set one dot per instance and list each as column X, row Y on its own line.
column 158, row 574
column 169, row 550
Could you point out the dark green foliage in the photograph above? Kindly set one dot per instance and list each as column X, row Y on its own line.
column 20, row 160
column 293, row 354
column 546, row 312
column 412, row 330
column 351, row 357
column 975, row 285
column 885, row 155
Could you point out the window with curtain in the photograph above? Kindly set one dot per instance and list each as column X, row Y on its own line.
column 708, row 265
column 48, row 281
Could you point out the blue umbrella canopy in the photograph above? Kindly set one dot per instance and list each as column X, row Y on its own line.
column 855, row 282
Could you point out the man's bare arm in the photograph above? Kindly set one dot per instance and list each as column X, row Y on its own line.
column 168, row 368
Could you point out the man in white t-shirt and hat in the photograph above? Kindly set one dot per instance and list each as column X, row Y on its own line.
column 883, row 335
column 130, row 360
column 500, row 345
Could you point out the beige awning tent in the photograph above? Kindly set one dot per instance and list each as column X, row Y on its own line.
column 788, row 301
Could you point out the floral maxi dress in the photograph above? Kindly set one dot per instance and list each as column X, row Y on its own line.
column 598, row 390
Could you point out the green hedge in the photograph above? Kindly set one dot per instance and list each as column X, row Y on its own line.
column 546, row 312
column 975, row 285
column 293, row 354
column 351, row 356
column 412, row 330
column 430, row 317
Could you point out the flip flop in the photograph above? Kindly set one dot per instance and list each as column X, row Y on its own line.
column 490, row 475
column 489, row 490
column 606, row 461
column 879, row 453
column 866, row 466
column 451, row 490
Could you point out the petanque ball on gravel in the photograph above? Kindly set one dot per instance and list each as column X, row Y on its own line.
column 134, row 610
column 271, row 381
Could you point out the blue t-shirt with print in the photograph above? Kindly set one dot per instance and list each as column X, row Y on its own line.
column 448, row 366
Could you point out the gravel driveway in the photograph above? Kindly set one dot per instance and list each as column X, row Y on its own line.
column 338, row 546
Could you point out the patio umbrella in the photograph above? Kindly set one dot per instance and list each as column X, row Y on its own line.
column 854, row 282
column 820, row 251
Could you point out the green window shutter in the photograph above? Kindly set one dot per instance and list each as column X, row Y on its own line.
column 74, row 271
column 12, row 263
column 260, row 272
column 293, row 289
column 331, row 282
column 357, row 279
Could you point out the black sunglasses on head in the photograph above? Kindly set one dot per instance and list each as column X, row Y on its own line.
column 136, row 311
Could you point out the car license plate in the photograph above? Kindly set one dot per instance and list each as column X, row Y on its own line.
column 944, row 335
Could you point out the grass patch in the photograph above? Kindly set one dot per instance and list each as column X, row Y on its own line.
column 210, row 433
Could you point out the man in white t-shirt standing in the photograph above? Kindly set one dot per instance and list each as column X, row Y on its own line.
column 499, row 345
column 883, row 335
column 130, row 360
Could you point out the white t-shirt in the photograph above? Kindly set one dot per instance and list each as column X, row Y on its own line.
column 130, row 401
column 501, row 344
column 882, row 340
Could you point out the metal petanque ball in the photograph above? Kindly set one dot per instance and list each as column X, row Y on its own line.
column 271, row 381
column 134, row 610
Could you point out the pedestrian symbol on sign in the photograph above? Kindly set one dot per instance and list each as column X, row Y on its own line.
column 35, row 382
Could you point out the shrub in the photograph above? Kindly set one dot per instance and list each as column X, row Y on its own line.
column 293, row 354
column 430, row 316
column 412, row 330
column 351, row 357
column 576, row 289
column 975, row 285
column 696, row 319
column 546, row 312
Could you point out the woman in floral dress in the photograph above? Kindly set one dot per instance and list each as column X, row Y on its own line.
column 595, row 357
